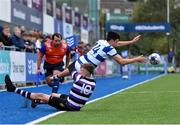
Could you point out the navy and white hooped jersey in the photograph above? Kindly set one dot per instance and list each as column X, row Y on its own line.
column 98, row 53
column 81, row 91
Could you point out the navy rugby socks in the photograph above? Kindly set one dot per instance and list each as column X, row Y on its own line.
column 23, row 93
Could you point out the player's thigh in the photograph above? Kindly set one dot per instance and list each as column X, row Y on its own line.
column 55, row 95
column 58, row 68
column 48, row 69
column 58, row 103
column 48, row 72
column 55, row 72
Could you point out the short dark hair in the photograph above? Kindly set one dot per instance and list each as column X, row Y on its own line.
column 89, row 67
column 57, row 35
column 112, row 36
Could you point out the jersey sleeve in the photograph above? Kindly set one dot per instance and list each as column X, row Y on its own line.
column 43, row 49
column 111, row 51
column 75, row 76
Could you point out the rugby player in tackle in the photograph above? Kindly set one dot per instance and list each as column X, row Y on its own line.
column 83, row 87
column 101, row 51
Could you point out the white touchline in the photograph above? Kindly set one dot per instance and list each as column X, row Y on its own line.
column 150, row 92
column 60, row 112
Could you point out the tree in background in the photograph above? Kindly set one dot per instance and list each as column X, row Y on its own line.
column 156, row 11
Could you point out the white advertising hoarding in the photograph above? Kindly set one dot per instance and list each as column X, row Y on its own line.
column 18, row 68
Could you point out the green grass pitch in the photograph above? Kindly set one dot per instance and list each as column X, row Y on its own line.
column 155, row 102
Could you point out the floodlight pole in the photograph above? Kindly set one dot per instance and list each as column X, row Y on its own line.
column 168, row 18
column 168, row 21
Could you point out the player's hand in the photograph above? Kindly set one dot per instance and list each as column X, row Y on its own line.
column 54, row 77
column 141, row 59
column 49, row 79
column 136, row 39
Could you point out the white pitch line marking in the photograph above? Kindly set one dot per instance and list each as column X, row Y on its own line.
column 60, row 112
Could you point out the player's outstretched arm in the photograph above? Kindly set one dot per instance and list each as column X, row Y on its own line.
column 64, row 73
column 125, row 43
column 61, row 74
column 120, row 60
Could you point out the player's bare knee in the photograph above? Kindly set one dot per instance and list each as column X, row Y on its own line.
column 55, row 72
column 39, row 95
column 53, row 94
